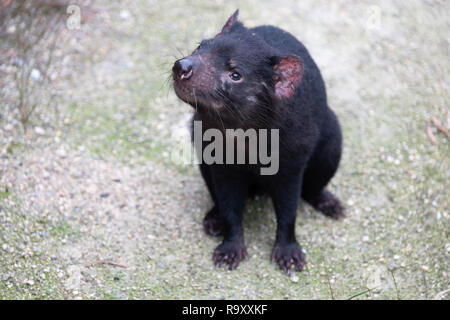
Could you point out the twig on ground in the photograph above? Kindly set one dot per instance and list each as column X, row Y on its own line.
column 330, row 288
column 368, row 290
column 441, row 294
column 87, row 263
column 440, row 127
column 430, row 134
column 395, row 284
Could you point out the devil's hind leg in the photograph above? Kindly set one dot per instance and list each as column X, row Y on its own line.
column 321, row 168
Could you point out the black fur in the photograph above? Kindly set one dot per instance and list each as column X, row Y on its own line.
column 281, row 88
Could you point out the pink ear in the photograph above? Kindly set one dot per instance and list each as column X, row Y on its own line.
column 231, row 20
column 288, row 74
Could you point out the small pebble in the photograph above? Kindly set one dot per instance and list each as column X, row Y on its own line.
column 39, row 131
column 35, row 75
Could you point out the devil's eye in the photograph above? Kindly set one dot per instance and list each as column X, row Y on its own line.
column 235, row 76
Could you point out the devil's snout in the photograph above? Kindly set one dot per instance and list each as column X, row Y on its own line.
column 183, row 69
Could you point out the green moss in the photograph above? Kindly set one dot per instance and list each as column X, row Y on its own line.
column 62, row 229
column 13, row 147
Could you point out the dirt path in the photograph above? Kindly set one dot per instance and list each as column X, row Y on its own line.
column 95, row 208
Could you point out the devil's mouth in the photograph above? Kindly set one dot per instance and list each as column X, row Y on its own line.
column 191, row 94
column 185, row 93
column 196, row 97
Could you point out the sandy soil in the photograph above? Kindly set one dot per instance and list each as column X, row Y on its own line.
column 93, row 206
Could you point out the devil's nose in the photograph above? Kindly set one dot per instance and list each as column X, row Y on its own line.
column 183, row 68
column 185, row 64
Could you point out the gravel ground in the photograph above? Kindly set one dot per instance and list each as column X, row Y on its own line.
column 92, row 205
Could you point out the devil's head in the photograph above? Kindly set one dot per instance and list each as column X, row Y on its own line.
column 236, row 74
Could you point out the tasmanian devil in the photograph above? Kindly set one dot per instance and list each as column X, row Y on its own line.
column 262, row 78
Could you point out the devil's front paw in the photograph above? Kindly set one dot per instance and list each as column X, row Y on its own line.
column 229, row 254
column 288, row 256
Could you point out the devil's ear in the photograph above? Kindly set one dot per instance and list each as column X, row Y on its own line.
column 288, row 72
column 231, row 20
